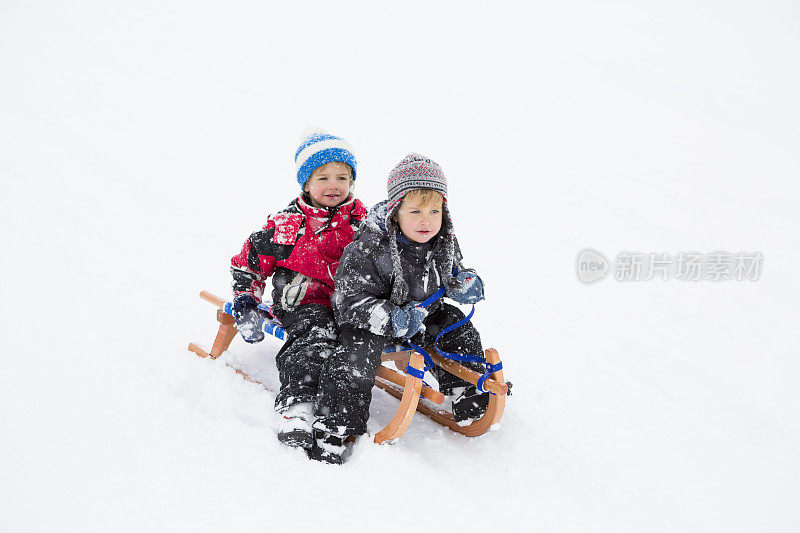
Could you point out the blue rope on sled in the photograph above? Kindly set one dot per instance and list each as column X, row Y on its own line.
column 462, row 358
column 415, row 372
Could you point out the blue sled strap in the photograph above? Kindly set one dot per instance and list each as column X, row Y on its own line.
column 419, row 349
column 441, row 291
column 466, row 358
column 433, row 297
column 463, row 358
column 415, row 372
column 490, row 369
column 425, row 355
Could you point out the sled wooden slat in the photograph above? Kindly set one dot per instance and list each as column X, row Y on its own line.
column 400, row 379
column 400, row 359
column 408, row 405
column 497, row 402
column 492, row 385
column 199, row 351
column 407, row 388
column 203, row 354
column 212, row 298
column 227, row 331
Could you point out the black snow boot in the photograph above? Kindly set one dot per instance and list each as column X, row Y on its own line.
column 294, row 425
column 329, row 448
column 469, row 404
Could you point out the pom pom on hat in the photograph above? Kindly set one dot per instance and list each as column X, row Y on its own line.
column 320, row 148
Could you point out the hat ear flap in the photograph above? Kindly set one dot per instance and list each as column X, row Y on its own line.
column 449, row 259
column 399, row 285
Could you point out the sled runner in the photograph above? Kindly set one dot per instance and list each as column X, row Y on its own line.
column 405, row 382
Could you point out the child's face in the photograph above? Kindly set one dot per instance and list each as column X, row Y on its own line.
column 329, row 185
column 420, row 221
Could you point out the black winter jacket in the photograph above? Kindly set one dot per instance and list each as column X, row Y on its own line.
column 366, row 273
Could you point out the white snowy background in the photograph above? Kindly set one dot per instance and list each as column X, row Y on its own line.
column 141, row 142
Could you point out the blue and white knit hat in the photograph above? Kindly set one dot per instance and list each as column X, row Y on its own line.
column 320, row 148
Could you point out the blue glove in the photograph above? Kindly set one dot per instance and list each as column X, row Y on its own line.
column 407, row 320
column 469, row 289
column 248, row 318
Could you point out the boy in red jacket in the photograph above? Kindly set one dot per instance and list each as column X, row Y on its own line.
column 300, row 248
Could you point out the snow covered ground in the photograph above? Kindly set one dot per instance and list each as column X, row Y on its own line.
column 141, row 142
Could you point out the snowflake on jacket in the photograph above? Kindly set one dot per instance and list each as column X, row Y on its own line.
column 300, row 247
column 365, row 278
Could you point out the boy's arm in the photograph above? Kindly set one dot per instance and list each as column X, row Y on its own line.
column 256, row 262
column 361, row 293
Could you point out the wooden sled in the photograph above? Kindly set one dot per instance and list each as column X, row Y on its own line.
column 407, row 388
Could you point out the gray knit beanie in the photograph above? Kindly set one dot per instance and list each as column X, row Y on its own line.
column 414, row 172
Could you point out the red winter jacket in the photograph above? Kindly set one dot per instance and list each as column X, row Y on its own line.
column 300, row 247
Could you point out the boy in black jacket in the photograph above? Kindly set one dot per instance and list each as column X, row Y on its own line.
column 401, row 258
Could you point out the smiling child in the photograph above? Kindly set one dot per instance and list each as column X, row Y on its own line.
column 300, row 248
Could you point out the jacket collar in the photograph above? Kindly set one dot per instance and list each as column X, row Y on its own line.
column 304, row 203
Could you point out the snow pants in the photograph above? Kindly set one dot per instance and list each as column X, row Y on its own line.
column 312, row 338
column 345, row 390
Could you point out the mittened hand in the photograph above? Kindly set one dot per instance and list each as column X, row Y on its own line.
column 248, row 318
column 469, row 289
column 407, row 320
